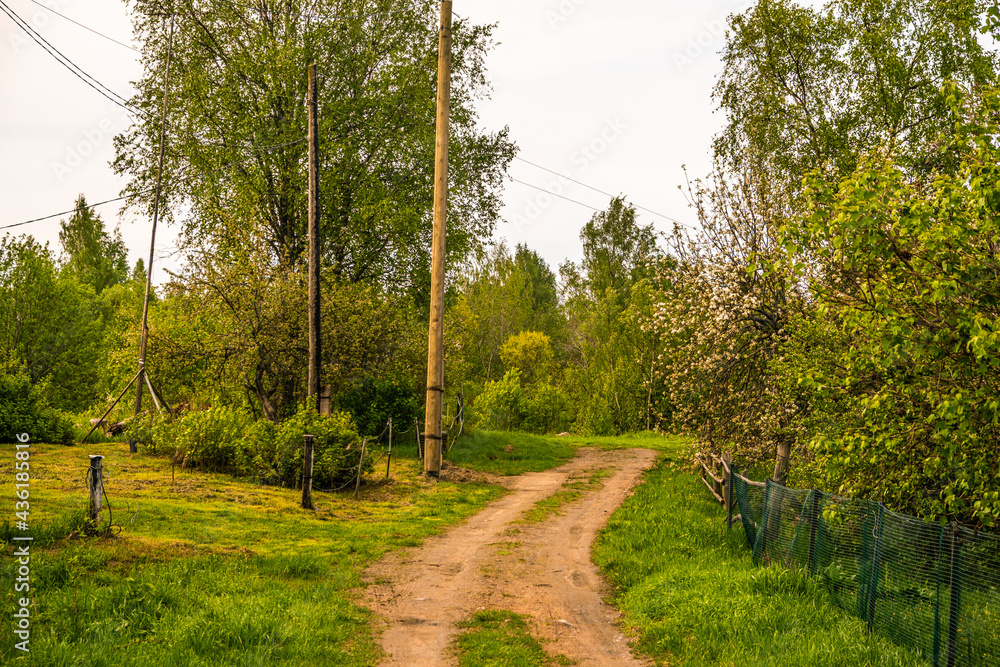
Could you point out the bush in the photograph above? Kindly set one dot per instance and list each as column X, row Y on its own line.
column 372, row 402
column 501, row 406
column 540, row 408
column 548, row 409
column 228, row 440
column 336, row 452
column 24, row 409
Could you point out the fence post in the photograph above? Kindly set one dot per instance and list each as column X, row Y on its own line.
column 96, row 485
column 717, row 486
column 307, row 471
column 814, row 518
column 389, row 458
column 727, row 481
column 361, row 464
column 872, row 597
column 955, row 599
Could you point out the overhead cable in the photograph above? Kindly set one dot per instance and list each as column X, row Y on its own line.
column 99, row 34
column 63, row 60
column 591, row 187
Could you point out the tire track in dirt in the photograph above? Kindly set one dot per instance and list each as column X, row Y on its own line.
column 541, row 570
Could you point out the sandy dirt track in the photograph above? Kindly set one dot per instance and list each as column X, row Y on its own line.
column 493, row 561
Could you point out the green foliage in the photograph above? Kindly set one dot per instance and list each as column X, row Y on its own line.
column 48, row 323
column 24, row 409
column 91, row 255
column 372, row 402
column 906, row 412
column 529, row 353
column 671, row 567
column 493, row 638
column 229, row 440
column 240, row 74
column 336, row 453
column 501, row 405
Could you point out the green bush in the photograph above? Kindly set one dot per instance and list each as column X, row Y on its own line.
column 228, row 440
column 336, row 452
column 502, row 405
column 24, row 409
column 372, row 402
column 506, row 405
column 548, row 409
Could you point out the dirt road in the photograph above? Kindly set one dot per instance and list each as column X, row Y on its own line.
column 493, row 561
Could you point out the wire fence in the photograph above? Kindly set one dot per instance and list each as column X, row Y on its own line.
column 934, row 589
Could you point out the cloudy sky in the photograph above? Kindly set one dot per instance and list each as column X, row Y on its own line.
column 614, row 94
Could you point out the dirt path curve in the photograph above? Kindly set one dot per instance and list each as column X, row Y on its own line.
column 539, row 569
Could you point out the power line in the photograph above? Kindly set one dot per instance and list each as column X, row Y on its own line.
column 573, row 180
column 261, row 149
column 63, row 60
column 99, row 34
column 549, row 192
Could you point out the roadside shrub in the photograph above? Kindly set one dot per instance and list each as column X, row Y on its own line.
column 229, row 440
column 372, row 402
column 24, row 409
column 208, row 438
column 501, row 406
column 336, row 453
column 548, row 409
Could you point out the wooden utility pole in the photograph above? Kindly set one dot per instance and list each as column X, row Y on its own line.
column 144, row 333
column 435, row 336
column 313, row 390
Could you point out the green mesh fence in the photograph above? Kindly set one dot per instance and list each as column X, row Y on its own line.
column 931, row 588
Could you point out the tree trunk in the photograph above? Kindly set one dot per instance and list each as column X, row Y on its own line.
column 781, row 461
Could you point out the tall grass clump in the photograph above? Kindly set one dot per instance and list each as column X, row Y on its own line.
column 689, row 590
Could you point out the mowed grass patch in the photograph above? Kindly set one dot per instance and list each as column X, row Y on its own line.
column 509, row 453
column 691, row 595
column 206, row 569
column 493, row 638
column 572, row 490
column 658, row 442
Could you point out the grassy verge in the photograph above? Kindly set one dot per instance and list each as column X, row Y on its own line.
column 692, row 597
column 509, row 453
column 206, row 569
column 501, row 639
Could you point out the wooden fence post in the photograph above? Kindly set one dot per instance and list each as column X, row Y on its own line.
column 307, row 471
column 388, row 460
column 814, row 518
column 361, row 465
column 727, row 483
column 96, row 485
column 955, row 598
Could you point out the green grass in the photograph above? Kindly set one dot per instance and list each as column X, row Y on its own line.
column 692, row 597
column 500, row 639
column 206, row 569
column 509, row 453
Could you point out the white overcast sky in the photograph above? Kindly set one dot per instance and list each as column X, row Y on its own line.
column 612, row 93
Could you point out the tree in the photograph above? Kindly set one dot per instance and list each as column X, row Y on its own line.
column 907, row 411
column 808, row 89
column 237, row 125
column 92, row 255
column 49, row 326
column 608, row 351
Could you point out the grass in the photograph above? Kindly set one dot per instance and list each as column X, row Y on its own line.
column 692, row 597
column 509, row 453
column 494, row 638
column 211, row 570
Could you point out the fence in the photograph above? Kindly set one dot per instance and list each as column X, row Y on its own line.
column 931, row 588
